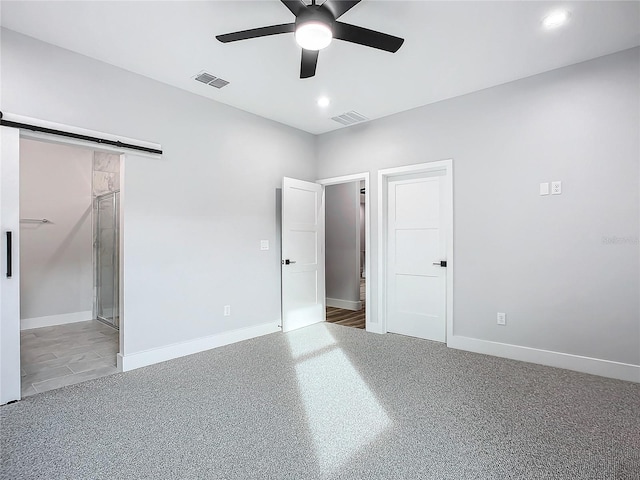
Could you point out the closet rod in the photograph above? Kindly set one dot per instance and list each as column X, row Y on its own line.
column 35, row 220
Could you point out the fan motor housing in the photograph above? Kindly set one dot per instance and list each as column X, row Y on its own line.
column 311, row 14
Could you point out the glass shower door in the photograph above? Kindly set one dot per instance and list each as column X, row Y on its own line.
column 107, row 258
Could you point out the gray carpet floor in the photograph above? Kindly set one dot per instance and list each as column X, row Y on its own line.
column 329, row 402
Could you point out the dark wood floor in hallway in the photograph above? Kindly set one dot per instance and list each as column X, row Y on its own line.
column 349, row 318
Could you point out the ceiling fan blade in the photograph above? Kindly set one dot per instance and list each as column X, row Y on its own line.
column 308, row 63
column 257, row 32
column 295, row 6
column 339, row 7
column 364, row 36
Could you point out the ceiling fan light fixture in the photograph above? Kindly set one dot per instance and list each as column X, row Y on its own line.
column 313, row 35
column 313, row 29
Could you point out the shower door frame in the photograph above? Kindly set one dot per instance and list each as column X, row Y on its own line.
column 115, row 261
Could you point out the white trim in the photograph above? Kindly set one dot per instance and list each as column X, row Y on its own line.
column 176, row 350
column 50, row 320
column 370, row 323
column 122, row 324
column 593, row 366
column 345, row 304
column 382, row 257
column 12, row 117
column 383, row 177
column 354, row 177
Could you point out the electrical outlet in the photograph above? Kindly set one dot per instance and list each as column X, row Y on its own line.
column 264, row 244
column 502, row 318
column 227, row 310
column 556, row 188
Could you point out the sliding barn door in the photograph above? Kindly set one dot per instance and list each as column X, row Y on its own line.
column 10, row 273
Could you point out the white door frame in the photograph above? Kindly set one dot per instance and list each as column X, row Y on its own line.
column 384, row 176
column 8, row 375
column 357, row 177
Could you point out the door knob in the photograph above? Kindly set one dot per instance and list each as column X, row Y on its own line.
column 441, row 263
column 288, row 262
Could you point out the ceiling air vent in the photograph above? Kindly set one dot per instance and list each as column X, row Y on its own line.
column 211, row 80
column 349, row 118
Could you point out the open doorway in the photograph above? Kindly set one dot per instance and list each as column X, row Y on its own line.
column 303, row 252
column 344, row 254
column 69, row 264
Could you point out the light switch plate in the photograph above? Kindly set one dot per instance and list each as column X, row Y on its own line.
column 556, row 188
column 264, row 244
column 544, row 188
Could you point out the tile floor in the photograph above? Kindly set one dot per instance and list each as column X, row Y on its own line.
column 54, row 357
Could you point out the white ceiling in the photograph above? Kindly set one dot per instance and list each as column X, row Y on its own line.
column 451, row 48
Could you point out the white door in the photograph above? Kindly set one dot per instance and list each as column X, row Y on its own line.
column 10, row 264
column 302, row 254
column 416, row 284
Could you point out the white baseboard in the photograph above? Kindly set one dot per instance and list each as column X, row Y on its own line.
column 346, row 304
column 594, row 366
column 51, row 320
column 176, row 350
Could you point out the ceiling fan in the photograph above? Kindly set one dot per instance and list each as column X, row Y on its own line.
column 315, row 27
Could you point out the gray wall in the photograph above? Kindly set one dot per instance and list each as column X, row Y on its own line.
column 56, row 268
column 564, row 268
column 194, row 218
column 342, row 257
column 552, row 263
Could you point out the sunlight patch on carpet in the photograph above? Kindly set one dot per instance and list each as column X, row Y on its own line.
column 343, row 415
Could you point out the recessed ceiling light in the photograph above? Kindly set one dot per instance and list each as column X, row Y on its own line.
column 555, row 19
column 324, row 102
